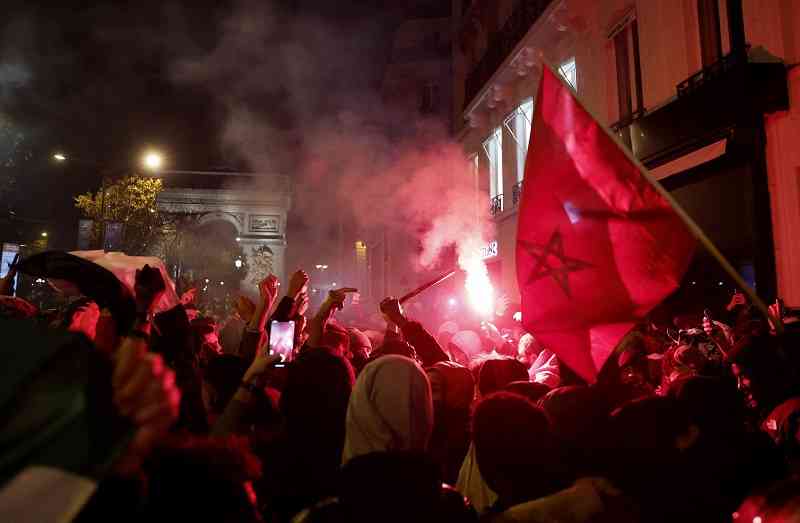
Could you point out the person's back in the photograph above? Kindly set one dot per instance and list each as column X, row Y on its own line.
column 516, row 452
column 398, row 487
column 453, row 391
column 202, row 479
column 304, row 460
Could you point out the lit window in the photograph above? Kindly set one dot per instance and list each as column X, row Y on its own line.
column 570, row 72
column 494, row 152
column 518, row 124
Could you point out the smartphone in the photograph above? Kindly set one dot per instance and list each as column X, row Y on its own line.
column 281, row 338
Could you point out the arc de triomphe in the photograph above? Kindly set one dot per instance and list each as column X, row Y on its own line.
column 255, row 204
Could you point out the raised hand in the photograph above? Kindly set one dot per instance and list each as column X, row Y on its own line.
column 301, row 303
column 260, row 366
column 737, row 299
column 245, row 308
column 775, row 315
column 188, row 296
column 144, row 391
column 336, row 297
column 493, row 333
column 297, row 283
column 392, row 309
column 268, row 288
column 149, row 287
column 335, row 300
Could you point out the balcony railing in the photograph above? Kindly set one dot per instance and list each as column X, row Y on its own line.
column 709, row 73
column 502, row 43
column 516, row 193
column 496, row 205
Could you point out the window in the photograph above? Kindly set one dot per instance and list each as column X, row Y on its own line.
column 570, row 72
column 494, row 152
column 518, row 124
column 625, row 40
column 710, row 36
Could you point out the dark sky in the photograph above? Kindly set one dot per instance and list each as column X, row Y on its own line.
column 99, row 83
column 98, row 80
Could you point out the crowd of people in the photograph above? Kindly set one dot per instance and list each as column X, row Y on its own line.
column 698, row 422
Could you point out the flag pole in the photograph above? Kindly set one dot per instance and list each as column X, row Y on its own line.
column 695, row 229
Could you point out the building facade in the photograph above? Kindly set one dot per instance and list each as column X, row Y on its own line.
column 704, row 93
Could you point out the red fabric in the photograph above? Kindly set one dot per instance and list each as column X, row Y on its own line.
column 597, row 246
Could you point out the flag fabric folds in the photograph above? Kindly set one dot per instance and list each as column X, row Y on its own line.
column 598, row 246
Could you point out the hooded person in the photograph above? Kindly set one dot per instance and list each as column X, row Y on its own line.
column 453, row 390
column 496, row 373
column 304, row 462
column 517, row 453
column 390, row 408
column 542, row 363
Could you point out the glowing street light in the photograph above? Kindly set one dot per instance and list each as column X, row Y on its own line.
column 60, row 157
column 44, row 234
column 238, row 263
column 153, row 160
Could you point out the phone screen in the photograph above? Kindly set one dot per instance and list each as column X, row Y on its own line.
column 281, row 338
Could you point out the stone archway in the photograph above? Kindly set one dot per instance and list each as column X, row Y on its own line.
column 256, row 205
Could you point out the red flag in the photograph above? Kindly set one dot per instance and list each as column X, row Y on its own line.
column 597, row 245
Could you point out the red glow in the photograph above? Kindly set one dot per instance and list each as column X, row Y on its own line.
column 480, row 292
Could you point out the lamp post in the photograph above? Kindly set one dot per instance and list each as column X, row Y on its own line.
column 151, row 160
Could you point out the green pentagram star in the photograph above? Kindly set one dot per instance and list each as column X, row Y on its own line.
column 543, row 269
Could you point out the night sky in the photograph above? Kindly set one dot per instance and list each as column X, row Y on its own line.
column 105, row 82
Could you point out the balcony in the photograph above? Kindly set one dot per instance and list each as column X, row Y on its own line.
column 708, row 105
column 496, row 205
column 502, row 43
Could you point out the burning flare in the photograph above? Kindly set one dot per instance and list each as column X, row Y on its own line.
column 480, row 292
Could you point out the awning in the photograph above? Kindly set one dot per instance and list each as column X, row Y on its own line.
column 693, row 159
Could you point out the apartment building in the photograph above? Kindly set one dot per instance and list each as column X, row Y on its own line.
column 704, row 93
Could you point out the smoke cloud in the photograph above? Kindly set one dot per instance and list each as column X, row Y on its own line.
column 300, row 97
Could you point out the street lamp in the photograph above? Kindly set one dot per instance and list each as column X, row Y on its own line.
column 153, row 160
column 44, row 234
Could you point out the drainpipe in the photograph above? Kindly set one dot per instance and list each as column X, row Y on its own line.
column 736, row 28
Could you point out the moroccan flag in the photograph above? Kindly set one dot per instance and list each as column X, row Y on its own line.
column 597, row 245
